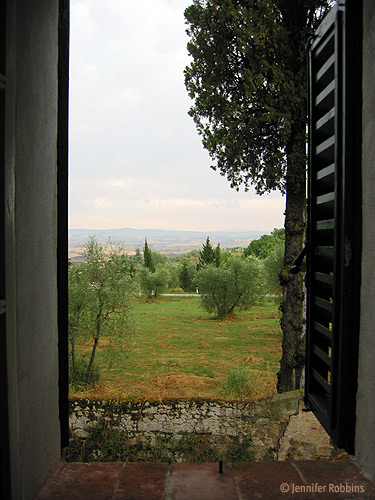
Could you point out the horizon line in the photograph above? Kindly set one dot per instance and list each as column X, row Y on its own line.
column 163, row 229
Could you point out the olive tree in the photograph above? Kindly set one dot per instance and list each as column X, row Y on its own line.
column 153, row 283
column 238, row 283
column 101, row 295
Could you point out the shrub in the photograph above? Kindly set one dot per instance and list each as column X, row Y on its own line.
column 238, row 283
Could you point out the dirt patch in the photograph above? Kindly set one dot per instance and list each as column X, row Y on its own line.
column 177, row 386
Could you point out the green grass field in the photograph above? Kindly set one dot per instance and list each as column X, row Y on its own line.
column 180, row 351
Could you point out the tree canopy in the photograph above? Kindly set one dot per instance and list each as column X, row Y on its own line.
column 248, row 82
column 263, row 246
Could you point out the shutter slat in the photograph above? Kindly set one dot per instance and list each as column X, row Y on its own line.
column 326, row 148
column 323, row 304
column 326, row 71
column 325, row 225
column 321, row 380
column 324, row 278
column 326, row 99
column 326, row 125
column 326, row 172
column 320, row 46
column 325, row 199
column 324, row 357
column 324, row 251
column 326, row 332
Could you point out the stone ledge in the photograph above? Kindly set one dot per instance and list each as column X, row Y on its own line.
column 273, row 428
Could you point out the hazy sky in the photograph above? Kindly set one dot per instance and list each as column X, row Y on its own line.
column 136, row 159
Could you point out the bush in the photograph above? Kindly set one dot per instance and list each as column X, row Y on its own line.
column 238, row 283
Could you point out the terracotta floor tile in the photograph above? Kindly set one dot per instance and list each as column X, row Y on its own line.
column 200, row 482
column 76, row 481
column 265, row 480
column 340, row 480
column 301, row 480
column 140, row 481
column 318, row 480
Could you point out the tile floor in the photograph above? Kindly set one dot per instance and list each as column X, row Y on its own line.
column 319, row 480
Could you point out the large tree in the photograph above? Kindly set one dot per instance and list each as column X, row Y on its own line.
column 248, row 82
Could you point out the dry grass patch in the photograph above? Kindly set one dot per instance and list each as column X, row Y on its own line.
column 182, row 352
column 175, row 386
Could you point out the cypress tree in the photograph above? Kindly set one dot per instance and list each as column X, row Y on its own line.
column 148, row 260
column 206, row 255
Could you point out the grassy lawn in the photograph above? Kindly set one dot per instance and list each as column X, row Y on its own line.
column 182, row 352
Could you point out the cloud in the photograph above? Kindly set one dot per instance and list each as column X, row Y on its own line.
column 136, row 159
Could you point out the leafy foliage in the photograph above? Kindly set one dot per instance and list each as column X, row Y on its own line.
column 101, row 293
column 218, row 255
column 273, row 265
column 236, row 284
column 153, row 283
column 265, row 244
column 248, row 82
column 187, row 276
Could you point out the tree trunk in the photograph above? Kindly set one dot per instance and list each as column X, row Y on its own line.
column 292, row 363
column 91, row 362
column 290, row 376
column 73, row 353
column 96, row 341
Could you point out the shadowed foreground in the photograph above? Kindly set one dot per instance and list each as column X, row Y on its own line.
column 246, row 481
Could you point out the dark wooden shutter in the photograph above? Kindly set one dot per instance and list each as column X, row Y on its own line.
column 62, row 205
column 5, row 491
column 333, row 263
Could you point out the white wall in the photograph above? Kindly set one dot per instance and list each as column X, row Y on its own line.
column 31, row 239
column 365, row 430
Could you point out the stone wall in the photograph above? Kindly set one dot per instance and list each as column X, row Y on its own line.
column 194, row 430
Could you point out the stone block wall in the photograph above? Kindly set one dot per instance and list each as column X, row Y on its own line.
column 195, row 430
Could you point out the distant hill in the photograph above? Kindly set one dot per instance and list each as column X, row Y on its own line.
column 161, row 240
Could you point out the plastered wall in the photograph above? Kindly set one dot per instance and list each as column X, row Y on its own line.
column 31, row 235
column 365, row 435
